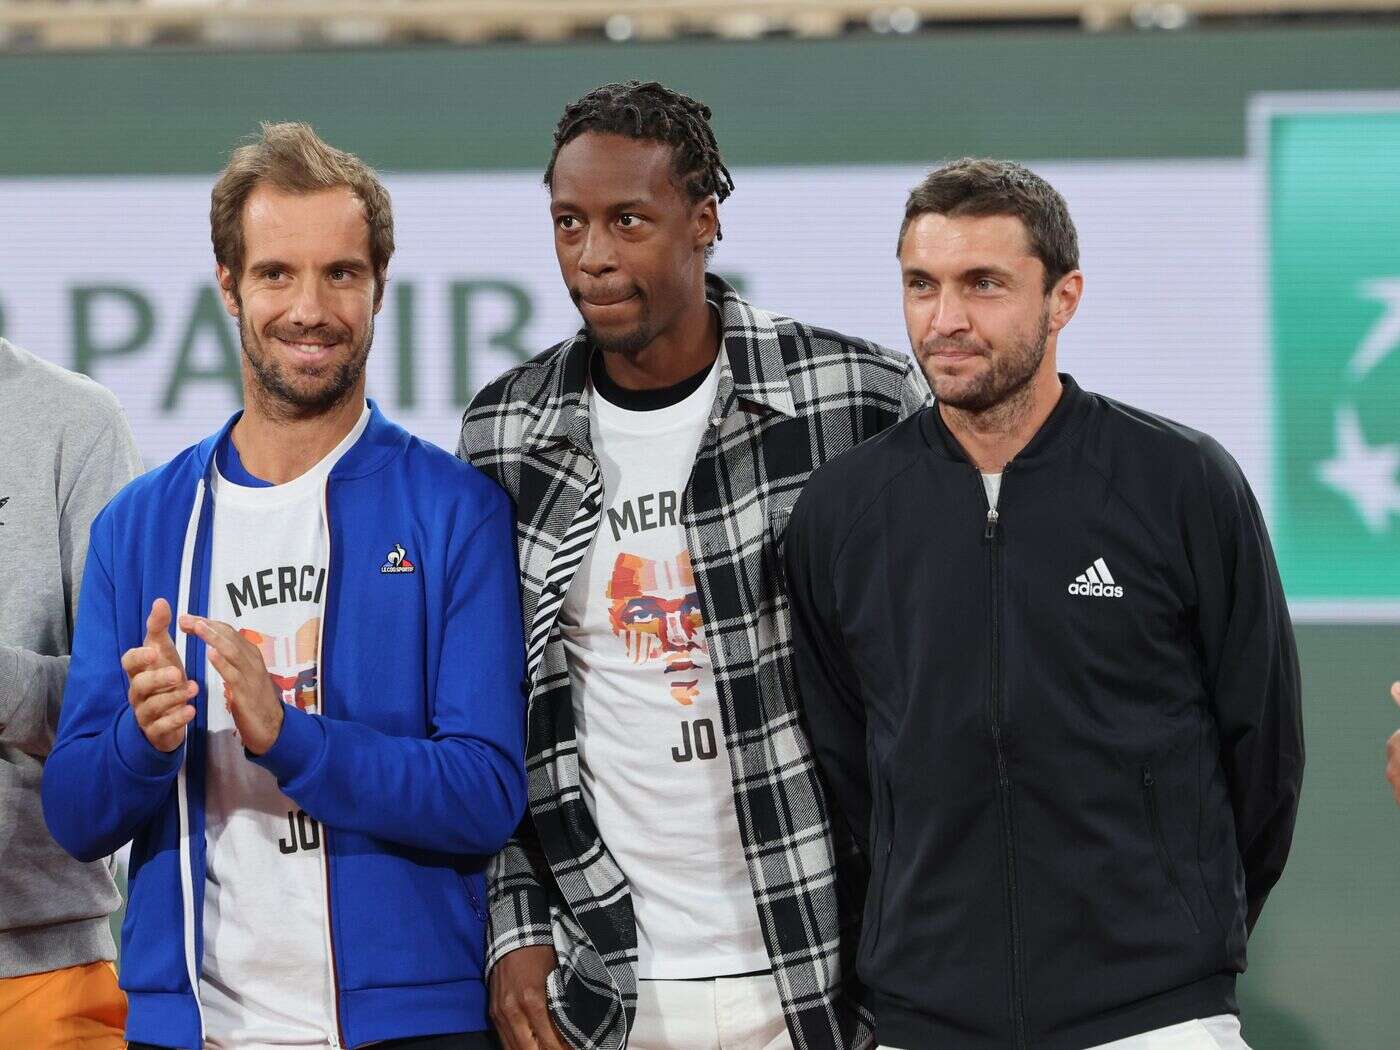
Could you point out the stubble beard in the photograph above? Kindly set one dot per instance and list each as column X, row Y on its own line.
column 628, row 344
column 281, row 397
column 1004, row 384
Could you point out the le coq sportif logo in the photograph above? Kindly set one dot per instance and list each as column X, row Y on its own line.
column 396, row 561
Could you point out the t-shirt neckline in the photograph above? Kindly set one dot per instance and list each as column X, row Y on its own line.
column 297, row 488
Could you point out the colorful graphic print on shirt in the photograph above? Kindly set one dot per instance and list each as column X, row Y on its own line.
column 655, row 610
column 291, row 662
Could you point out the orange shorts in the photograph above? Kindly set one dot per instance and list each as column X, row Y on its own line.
column 79, row 1008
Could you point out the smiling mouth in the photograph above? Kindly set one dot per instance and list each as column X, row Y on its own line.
column 310, row 349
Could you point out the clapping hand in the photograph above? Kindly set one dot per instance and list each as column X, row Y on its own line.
column 254, row 702
column 158, row 691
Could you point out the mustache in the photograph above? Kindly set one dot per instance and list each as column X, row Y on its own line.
column 325, row 336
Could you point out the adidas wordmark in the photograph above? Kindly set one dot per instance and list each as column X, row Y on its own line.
column 1096, row 582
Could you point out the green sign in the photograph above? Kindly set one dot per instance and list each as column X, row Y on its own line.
column 1334, row 264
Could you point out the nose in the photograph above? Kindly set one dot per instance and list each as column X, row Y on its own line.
column 949, row 317
column 673, row 633
column 598, row 255
column 307, row 310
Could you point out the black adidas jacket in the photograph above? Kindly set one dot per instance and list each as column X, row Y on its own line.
column 1067, row 734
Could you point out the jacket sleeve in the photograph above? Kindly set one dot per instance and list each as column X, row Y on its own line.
column 1251, row 671
column 491, row 433
column 914, row 394
column 103, row 780
column 521, row 889
column 521, row 884
column 463, row 789
column 827, row 688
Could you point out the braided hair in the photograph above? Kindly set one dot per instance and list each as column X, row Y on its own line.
column 654, row 112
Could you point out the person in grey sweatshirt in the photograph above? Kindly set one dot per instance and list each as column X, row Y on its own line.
column 65, row 450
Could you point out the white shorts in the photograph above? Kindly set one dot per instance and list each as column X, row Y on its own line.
column 1209, row 1033
column 726, row 1013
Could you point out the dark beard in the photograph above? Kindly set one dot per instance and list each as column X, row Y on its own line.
column 1009, row 375
column 627, row 344
column 281, row 398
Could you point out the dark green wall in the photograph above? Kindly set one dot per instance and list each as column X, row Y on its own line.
column 1323, row 957
column 1046, row 94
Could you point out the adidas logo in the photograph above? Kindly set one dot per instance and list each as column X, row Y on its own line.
column 1096, row 582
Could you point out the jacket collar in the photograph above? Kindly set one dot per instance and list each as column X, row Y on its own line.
column 1064, row 420
column 380, row 442
column 754, row 370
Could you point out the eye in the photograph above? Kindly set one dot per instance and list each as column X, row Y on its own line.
column 340, row 275
column 567, row 222
column 628, row 221
column 640, row 611
column 917, row 284
column 986, row 284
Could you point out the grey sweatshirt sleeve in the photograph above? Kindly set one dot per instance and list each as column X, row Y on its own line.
column 31, row 684
column 31, row 690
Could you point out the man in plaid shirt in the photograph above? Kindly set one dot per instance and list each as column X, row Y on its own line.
column 675, row 881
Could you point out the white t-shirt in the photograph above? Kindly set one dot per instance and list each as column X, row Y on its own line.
column 265, row 978
column 652, row 754
column 992, row 483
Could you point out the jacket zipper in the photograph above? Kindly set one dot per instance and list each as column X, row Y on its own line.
column 184, row 600
column 992, row 537
column 336, row 1037
column 1159, row 842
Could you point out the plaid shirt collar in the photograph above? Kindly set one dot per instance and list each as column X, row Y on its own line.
column 753, row 371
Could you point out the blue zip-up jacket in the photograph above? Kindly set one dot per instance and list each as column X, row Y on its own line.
column 414, row 767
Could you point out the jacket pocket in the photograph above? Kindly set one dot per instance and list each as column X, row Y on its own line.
column 881, row 846
column 1159, row 843
column 475, row 884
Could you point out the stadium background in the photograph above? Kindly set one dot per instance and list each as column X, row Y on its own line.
column 1237, row 191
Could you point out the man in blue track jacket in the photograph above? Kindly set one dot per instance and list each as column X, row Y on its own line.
column 296, row 684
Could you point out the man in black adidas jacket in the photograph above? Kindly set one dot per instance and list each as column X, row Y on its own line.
column 1047, row 668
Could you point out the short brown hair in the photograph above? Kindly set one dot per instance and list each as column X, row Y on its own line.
column 976, row 186
column 292, row 157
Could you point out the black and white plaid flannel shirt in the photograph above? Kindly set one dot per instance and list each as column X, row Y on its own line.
column 790, row 398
